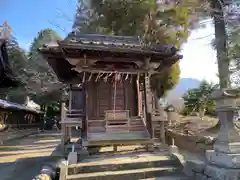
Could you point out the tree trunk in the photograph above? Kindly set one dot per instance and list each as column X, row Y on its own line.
column 221, row 47
column 221, row 43
column 202, row 113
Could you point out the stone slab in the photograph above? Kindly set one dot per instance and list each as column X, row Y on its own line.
column 194, row 167
column 217, row 173
column 197, row 166
column 233, row 147
column 223, row 159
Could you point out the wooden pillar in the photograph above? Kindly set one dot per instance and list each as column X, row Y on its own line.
column 69, row 129
column 148, row 104
column 85, row 128
column 70, row 99
column 139, row 96
column 63, row 126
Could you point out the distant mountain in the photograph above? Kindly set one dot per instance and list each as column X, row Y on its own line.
column 187, row 83
column 183, row 86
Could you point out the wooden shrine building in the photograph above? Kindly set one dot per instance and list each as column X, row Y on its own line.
column 110, row 97
column 17, row 116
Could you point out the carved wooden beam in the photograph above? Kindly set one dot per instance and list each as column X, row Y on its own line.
column 147, row 63
column 73, row 61
column 81, row 61
column 167, row 63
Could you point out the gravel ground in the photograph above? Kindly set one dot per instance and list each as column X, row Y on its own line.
column 23, row 159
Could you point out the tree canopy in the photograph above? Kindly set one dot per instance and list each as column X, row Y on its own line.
column 165, row 23
column 198, row 99
column 42, row 73
column 33, row 71
column 18, row 61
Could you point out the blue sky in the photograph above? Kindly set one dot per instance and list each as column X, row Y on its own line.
column 28, row 17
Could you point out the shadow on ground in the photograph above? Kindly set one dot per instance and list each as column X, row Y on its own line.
column 23, row 159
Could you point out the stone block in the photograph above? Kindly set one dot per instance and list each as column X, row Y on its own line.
column 210, row 178
column 193, row 166
column 226, row 147
column 218, row 173
column 197, row 166
column 198, row 176
column 223, row 159
column 204, row 177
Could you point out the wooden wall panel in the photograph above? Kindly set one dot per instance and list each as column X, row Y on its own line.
column 101, row 98
column 77, row 99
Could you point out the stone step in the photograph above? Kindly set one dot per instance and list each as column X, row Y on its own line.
column 175, row 177
column 121, row 164
column 76, row 146
column 132, row 174
column 15, row 134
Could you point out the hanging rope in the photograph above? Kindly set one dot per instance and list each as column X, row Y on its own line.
column 115, row 93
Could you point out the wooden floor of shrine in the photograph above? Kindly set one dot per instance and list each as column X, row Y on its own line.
column 110, row 138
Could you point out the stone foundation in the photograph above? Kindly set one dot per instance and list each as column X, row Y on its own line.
column 198, row 170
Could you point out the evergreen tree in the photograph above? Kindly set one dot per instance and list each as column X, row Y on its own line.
column 165, row 23
column 82, row 16
column 42, row 79
column 198, row 99
column 18, row 62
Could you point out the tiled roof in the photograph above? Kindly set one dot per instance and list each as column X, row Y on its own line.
column 105, row 39
column 10, row 105
column 128, row 43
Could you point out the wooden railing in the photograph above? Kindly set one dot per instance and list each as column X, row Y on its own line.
column 73, row 116
column 69, row 118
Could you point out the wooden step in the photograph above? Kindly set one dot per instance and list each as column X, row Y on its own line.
column 133, row 123
column 96, row 129
column 137, row 129
column 73, row 119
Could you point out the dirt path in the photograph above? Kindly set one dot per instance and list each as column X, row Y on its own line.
column 23, row 159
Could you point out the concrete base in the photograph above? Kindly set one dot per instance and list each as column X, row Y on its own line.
column 173, row 149
column 72, row 158
column 225, row 160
